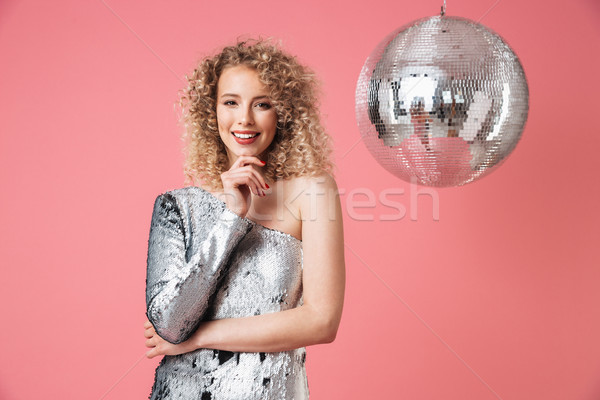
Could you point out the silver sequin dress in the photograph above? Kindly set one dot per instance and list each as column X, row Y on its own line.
column 205, row 262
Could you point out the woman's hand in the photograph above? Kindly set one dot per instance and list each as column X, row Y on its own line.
column 239, row 180
column 159, row 346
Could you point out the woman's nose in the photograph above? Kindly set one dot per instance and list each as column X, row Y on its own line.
column 247, row 118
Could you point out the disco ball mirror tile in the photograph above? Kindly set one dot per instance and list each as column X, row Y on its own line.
column 441, row 101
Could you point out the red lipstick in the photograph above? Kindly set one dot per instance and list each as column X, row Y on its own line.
column 245, row 140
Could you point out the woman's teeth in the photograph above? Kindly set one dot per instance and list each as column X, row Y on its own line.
column 245, row 135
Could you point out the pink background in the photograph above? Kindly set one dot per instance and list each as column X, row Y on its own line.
column 498, row 298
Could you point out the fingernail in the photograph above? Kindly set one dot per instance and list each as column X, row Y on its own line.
column 267, row 185
column 262, row 162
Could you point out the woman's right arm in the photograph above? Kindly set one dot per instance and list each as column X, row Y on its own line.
column 179, row 285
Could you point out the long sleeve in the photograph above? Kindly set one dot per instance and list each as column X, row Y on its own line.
column 181, row 280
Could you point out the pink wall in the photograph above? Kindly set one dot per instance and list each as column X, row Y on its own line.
column 498, row 298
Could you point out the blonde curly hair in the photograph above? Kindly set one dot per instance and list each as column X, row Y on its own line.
column 300, row 146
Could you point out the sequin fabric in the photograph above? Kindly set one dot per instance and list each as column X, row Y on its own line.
column 205, row 262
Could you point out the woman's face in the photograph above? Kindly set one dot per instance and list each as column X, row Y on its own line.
column 245, row 115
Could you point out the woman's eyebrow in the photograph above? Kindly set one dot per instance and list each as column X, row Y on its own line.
column 263, row 96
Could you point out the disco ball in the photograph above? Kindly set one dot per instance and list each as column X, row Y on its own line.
column 441, row 101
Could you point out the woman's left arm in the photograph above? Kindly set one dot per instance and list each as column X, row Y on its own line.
column 323, row 280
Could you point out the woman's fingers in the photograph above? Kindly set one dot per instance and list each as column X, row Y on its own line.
column 148, row 329
column 241, row 180
column 158, row 346
column 248, row 178
column 244, row 176
column 258, row 176
column 149, row 333
column 245, row 160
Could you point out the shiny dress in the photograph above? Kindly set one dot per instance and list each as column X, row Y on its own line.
column 205, row 262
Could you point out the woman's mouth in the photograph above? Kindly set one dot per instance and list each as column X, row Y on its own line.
column 245, row 137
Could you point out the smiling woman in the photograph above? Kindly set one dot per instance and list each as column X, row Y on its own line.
column 243, row 275
column 300, row 145
column 246, row 119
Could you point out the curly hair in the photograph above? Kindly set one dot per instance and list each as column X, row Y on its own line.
column 300, row 146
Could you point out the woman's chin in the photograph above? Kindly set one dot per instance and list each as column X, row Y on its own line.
column 248, row 152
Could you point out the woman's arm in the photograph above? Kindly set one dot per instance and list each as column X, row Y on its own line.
column 317, row 320
column 178, row 285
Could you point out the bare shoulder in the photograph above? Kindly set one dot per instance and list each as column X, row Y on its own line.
column 316, row 195
column 315, row 184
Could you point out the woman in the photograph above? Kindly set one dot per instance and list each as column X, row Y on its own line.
column 246, row 269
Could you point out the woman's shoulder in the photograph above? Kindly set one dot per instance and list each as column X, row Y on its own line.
column 179, row 193
column 189, row 191
column 185, row 198
column 315, row 192
column 311, row 183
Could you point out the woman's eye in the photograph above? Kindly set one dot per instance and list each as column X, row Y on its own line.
column 229, row 103
column 266, row 106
